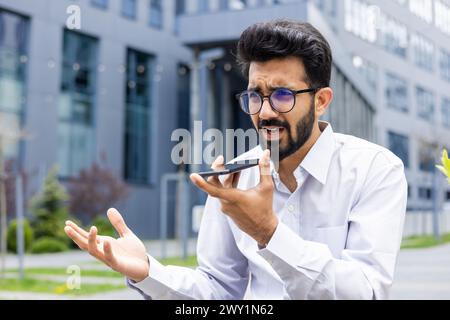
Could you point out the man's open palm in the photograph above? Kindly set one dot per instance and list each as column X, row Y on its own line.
column 126, row 254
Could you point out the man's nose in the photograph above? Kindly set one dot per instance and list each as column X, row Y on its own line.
column 266, row 110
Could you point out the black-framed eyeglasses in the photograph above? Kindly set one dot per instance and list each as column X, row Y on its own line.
column 281, row 100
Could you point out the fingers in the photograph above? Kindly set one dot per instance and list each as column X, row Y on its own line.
column 236, row 177
column 92, row 244
column 264, row 168
column 117, row 221
column 79, row 230
column 218, row 162
column 109, row 256
column 232, row 180
column 211, row 189
column 74, row 226
column 81, row 241
column 216, row 165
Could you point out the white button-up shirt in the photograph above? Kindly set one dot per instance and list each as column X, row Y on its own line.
column 338, row 235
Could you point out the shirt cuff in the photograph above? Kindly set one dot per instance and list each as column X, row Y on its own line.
column 156, row 284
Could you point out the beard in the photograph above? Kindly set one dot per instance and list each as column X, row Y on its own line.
column 304, row 129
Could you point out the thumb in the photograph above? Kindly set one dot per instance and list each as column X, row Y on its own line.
column 264, row 168
column 117, row 221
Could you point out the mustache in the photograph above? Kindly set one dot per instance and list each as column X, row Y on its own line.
column 273, row 122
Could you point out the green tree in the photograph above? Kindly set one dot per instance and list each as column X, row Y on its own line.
column 445, row 167
column 50, row 209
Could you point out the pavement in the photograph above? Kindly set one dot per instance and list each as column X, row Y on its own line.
column 421, row 274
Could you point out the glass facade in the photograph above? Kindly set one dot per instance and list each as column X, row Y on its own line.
column 77, row 103
column 369, row 23
column 368, row 70
column 442, row 16
column 425, row 103
column 423, row 9
column 156, row 14
column 348, row 100
column 422, row 52
column 427, row 152
column 100, row 3
column 399, row 144
column 137, row 117
column 360, row 19
column 445, row 103
column 396, row 92
column 444, row 64
column 393, row 35
column 129, row 8
column 13, row 64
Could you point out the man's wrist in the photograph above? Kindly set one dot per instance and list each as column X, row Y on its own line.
column 267, row 235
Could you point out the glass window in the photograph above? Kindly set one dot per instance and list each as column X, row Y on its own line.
column 129, row 8
column 444, row 64
column 100, row 3
column 137, row 117
column 446, row 112
column 393, row 35
column 423, row 52
column 261, row 3
column 180, row 7
column 360, row 19
column 156, row 14
column 396, row 92
column 425, row 103
column 399, row 144
column 368, row 69
column 237, row 4
column 77, row 103
column 203, row 5
column 14, row 30
column 423, row 9
column 427, row 153
column 425, row 193
column 442, row 16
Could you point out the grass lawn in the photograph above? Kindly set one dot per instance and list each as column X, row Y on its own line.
column 191, row 261
column 424, row 241
column 62, row 272
column 53, row 287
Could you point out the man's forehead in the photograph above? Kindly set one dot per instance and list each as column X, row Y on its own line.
column 274, row 82
column 275, row 73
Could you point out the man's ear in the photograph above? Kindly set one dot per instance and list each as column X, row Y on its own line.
column 323, row 99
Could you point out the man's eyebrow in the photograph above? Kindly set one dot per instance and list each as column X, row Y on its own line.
column 271, row 88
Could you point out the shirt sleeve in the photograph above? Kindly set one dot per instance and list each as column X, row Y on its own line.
column 365, row 269
column 222, row 272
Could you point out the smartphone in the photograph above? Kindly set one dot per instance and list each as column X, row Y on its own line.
column 230, row 168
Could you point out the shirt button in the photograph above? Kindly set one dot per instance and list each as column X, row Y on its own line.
column 291, row 208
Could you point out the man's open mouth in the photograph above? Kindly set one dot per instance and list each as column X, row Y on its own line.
column 272, row 132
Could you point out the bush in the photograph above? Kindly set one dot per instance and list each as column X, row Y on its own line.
column 12, row 235
column 49, row 207
column 46, row 245
column 104, row 227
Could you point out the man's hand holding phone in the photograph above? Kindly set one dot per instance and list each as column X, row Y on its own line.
column 251, row 209
column 126, row 254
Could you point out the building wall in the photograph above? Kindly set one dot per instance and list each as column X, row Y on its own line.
column 115, row 34
column 388, row 119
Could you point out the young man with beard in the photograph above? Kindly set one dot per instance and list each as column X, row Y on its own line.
column 325, row 222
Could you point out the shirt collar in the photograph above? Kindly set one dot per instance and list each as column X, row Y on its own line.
column 318, row 159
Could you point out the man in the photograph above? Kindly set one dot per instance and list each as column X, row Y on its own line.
column 327, row 224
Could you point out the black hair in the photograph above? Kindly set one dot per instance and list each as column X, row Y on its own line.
column 282, row 38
